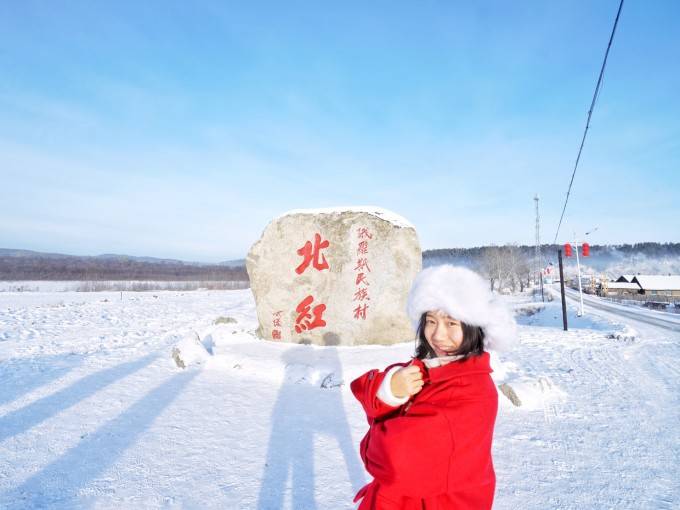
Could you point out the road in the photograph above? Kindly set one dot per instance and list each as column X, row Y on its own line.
column 664, row 320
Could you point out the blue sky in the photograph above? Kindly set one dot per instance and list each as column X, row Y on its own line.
column 177, row 129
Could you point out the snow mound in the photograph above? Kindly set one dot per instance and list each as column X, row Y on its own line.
column 320, row 376
column 626, row 335
column 527, row 309
column 190, row 351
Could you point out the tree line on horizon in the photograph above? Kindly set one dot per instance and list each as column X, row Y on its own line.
column 513, row 266
column 96, row 269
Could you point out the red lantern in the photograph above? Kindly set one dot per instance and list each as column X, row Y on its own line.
column 586, row 250
column 567, row 250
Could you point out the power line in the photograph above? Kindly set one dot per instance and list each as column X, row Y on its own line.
column 590, row 113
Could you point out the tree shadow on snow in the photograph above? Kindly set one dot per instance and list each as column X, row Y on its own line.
column 36, row 412
column 59, row 483
column 20, row 376
column 309, row 403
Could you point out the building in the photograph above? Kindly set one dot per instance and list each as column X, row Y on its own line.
column 665, row 288
column 655, row 286
column 621, row 289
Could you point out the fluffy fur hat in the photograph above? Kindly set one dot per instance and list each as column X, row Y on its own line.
column 465, row 296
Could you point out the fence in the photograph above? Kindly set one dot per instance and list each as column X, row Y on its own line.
column 640, row 300
column 137, row 286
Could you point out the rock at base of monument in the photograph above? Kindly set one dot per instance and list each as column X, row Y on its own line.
column 507, row 390
column 190, row 351
column 224, row 320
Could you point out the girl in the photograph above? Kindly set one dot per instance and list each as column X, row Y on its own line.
column 431, row 419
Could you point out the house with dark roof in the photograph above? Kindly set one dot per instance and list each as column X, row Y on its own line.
column 621, row 289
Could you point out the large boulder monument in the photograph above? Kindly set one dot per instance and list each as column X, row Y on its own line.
column 337, row 276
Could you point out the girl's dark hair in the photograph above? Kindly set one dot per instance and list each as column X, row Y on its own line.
column 472, row 344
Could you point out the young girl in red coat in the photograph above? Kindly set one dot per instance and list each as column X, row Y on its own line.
column 432, row 419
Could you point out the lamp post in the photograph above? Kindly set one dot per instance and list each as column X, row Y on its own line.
column 578, row 265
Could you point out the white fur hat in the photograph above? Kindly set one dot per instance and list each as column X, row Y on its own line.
column 464, row 295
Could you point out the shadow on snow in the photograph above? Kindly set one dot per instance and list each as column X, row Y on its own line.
column 22, row 419
column 20, row 376
column 59, row 482
column 302, row 410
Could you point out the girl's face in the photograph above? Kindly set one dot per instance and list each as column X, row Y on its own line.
column 443, row 333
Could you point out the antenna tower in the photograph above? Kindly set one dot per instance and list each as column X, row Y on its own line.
column 537, row 246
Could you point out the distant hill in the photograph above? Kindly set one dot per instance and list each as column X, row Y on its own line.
column 33, row 265
column 5, row 252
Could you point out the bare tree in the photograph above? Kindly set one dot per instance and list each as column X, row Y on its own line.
column 518, row 267
column 492, row 266
column 524, row 272
column 512, row 260
column 505, row 265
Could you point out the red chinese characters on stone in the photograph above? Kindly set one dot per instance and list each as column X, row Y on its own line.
column 309, row 318
column 276, row 322
column 360, row 311
column 305, row 321
column 362, row 233
column 362, row 264
column 361, row 278
column 311, row 253
column 277, row 319
column 361, row 294
column 362, row 268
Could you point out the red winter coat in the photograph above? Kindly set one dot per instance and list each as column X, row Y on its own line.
column 434, row 452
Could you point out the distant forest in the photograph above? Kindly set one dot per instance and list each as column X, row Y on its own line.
column 473, row 257
column 65, row 268
column 512, row 263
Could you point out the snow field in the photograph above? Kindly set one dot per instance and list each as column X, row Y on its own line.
column 94, row 412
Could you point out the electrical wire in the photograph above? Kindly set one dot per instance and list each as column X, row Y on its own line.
column 590, row 113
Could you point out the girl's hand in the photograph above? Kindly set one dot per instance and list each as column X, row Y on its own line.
column 406, row 381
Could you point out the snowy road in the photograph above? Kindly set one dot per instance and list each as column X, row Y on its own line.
column 664, row 320
column 94, row 413
column 613, row 439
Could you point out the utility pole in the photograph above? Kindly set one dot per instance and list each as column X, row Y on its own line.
column 564, row 301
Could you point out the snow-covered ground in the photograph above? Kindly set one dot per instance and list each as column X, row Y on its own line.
column 94, row 412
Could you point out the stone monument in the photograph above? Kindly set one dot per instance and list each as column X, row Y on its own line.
column 337, row 276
